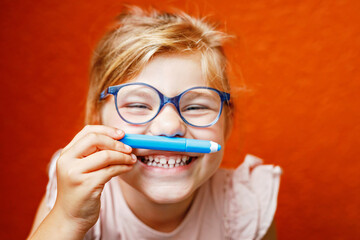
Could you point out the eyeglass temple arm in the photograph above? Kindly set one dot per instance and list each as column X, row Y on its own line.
column 110, row 90
column 225, row 97
column 103, row 94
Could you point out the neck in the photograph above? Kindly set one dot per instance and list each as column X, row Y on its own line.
column 158, row 216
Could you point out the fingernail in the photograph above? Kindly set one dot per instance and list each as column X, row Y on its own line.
column 127, row 147
column 119, row 132
column 134, row 157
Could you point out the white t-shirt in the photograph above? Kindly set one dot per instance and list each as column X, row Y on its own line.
column 232, row 204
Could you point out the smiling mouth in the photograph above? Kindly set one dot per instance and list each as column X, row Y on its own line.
column 166, row 162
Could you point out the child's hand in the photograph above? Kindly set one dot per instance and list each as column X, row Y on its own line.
column 90, row 160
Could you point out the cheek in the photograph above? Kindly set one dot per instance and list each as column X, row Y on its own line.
column 221, row 129
column 212, row 161
column 109, row 116
column 214, row 133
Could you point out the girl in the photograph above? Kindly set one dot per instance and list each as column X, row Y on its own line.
column 100, row 188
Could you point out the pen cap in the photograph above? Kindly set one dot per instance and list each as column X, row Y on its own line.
column 201, row 146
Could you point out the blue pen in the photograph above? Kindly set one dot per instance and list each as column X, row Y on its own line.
column 175, row 144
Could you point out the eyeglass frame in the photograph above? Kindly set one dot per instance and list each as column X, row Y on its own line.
column 113, row 90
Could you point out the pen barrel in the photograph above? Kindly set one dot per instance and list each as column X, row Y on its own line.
column 175, row 144
column 154, row 142
column 199, row 146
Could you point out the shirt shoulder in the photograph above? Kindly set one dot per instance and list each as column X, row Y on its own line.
column 248, row 195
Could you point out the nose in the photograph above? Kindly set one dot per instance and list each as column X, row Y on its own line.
column 168, row 123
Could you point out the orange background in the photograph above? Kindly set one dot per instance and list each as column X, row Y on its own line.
column 299, row 60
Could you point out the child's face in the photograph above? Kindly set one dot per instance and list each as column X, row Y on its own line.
column 171, row 75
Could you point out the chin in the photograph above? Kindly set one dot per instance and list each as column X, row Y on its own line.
column 168, row 193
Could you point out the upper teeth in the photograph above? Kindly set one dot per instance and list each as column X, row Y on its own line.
column 166, row 162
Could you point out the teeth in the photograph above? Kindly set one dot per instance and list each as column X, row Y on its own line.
column 184, row 158
column 166, row 162
column 163, row 161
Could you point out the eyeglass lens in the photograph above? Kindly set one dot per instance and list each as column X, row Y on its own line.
column 139, row 104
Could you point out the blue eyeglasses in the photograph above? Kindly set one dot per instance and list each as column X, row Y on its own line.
column 139, row 103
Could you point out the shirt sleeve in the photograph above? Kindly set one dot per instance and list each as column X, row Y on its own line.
column 51, row 193
column 51, row 188
column 251, row 198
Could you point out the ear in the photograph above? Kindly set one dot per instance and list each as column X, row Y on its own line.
column 229, row 122
column 98, row 113
column 97, row 119
column 93, row 115
column 228, row 128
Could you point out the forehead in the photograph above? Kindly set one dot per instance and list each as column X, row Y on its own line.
column 172, row 74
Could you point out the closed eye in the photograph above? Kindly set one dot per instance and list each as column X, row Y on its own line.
column 138, row 105
column 195, row 107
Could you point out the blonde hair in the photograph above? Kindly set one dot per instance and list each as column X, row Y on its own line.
column 140, row 35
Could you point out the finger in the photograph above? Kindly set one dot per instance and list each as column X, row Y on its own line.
column 103, row 175
column 103, row 159
column 101, row 129
column 94, row 142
